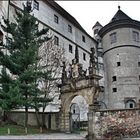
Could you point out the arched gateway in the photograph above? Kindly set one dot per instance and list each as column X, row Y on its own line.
column 75, row 84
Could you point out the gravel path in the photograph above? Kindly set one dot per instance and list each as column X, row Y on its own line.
column 51, row 136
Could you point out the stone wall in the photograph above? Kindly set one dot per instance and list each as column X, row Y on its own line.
column 111, row 124
column 51, row 119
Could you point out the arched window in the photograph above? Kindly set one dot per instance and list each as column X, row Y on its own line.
column 130, row 104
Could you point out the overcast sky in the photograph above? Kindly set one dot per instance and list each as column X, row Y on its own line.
column 88, row 12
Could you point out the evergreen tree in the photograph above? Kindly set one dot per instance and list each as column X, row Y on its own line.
column 20, row 72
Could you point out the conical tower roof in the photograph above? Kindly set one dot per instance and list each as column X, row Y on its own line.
column 97, row 24
column 119, row 20
column 120, row 15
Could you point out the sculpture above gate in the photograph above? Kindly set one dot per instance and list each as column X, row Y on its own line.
column 75, row 82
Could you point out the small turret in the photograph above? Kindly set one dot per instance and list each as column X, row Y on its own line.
column 96, row 29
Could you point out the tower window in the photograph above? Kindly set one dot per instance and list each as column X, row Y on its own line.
column 56, row 40
column 84, row 56
column 114, row 78
column 36, row 5
column 135, row 36
column 113, row 38
column 114, row 89
column 83, row 38
column 138, row 64
column 96, row 31
column 56, row 19
column 70, row 49
column 118, row 64
column 69, row 29
column 139, row 77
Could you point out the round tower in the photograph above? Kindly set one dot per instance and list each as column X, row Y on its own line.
column 121, row 54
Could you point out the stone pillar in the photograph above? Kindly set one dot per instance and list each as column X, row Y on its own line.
column 91, row 118
column 65, row 122
column 91, row 121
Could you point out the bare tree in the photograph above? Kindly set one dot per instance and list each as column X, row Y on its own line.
column 51, row 60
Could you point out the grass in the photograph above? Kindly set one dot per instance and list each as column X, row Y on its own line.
column 19, row 130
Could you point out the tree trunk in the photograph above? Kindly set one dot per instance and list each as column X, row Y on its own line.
column 4, row 116
column 37, row 118
column 43, row 118
column 26, row 116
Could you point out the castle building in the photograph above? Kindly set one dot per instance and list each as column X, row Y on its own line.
column 120, row 40
column 63, row 27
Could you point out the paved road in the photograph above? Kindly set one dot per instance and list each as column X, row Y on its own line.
column 51, row 136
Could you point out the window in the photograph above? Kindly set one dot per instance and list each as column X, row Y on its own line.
column 118, row 64
column 135, row 36
column 96, row 31
column 69, row 29
column 138, row 64
column 1, row 37
column 113, row 38
column 114, row 78
column 83, row 39
column 139, row 77
column 56, row 19
column 84, row 56
column 114, row 89
column 56, row 40
column 36, row 5
column 101, row 66
column 70, row 49
column 130, row 104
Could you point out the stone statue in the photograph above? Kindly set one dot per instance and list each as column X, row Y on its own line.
column 64, row 73
column 92, row 58
column 75, row 72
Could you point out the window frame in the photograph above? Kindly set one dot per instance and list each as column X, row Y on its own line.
column 130, row 102
column 118, row 64
column 36, row 5
column 135, row 36
column 96, row 31
column 138, row 64
column 83, row 38
column 69, row 28
column 114, row 78
column 56, row 19
column 113, row 37
column 84, row 56
column 114, row 89
column 70, row 48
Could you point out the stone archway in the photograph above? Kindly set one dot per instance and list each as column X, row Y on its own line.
column 74, row 83
column 87, row 92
